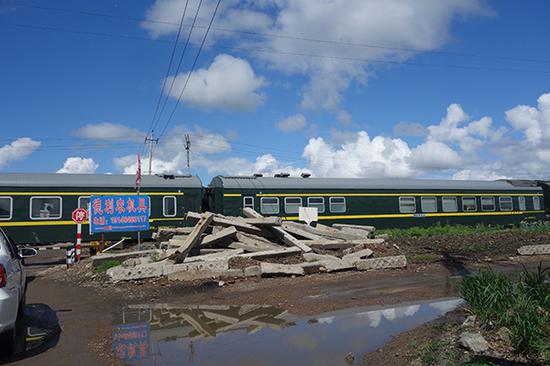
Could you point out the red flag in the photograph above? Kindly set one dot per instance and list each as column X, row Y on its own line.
column 138, row 172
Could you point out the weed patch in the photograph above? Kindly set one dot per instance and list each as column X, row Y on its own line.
column 522, row 305
column 103, row 267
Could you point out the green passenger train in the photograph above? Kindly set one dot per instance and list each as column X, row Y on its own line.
column 384, row 203
column 36, row 208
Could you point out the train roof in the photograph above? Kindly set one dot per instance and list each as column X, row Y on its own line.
column 254, row 182
column 96, row 180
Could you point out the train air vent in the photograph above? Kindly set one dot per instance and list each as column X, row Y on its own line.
column 305, row 175
column 258, row 175
column 282, row 175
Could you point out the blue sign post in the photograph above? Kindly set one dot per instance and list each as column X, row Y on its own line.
column 119, row 213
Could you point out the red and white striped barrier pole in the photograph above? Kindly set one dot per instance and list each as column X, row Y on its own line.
column 78, row 241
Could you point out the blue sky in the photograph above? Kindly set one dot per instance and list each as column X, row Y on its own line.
column 429, row 113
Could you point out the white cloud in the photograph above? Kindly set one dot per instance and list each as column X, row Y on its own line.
column 292, row 123
column 170, row 156
column 424, row 25
column 18, row 149
column 78, row 165
column 109, row 131
column 433, row 155
column 533, row 122
column 228, row 83
column 362, row 157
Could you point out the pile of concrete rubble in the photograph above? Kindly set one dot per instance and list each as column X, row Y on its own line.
column 257, row 244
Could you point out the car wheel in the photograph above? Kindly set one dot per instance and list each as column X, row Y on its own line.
column 7, row 340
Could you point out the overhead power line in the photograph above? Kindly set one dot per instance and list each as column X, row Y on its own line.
column 177, row 68
column 191, row 70
column 288, row 53
column 277, row 35
column 151, row 126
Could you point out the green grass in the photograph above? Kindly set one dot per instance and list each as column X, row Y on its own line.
column 522, row 305
column 103, row 267
column 435, row 230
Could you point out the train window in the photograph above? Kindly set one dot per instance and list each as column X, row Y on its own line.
column 293, row 204
column 407, row 204
column 522, row 204
column 505, row 203
column 6, row 206
column 269, row 205
column 337, row 204
column 487, row 203
column 84, row 202
column 469, row 204
column 318, row 202
column 248, row 202
column 169, row 206
column 45, row 207
column 449, row 204
column 428, row 204
column 536, row 203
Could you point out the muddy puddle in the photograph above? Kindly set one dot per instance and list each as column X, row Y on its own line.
column 261, row 335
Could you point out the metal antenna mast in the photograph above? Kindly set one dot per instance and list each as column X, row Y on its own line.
column 187, row 149
column 151, row 141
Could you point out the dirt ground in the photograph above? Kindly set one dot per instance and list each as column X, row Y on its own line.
column 84, row 303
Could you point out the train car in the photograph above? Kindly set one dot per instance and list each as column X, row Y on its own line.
column 36, row 208
column 384, row 203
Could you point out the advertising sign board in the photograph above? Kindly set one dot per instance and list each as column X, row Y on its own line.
column 119, row 213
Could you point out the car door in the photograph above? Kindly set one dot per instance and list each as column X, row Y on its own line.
column 14, row 268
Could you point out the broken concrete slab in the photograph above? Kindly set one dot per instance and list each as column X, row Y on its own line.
column 252, row 271
column 228, row 221
column 370, row 229
column 103, row 257
column 120, row 273
column 225, row 234
column 280, row 232
column 343, row 244
column 312, row 267
column 324, row 231
column 354, row 257
column 192, row 239
column 272, row 253
column 534, row 249
column 264, row 221
column 226, row 254
column 398, row 261
column 329, row 262
column 301, row 232
column 256, row 241
column 276, row 269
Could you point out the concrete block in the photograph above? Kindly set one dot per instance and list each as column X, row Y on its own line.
column 354, row 257
column 398, row 261
column 226, row 254
column 534, row 249
column 272, row 253
column 329, row 262
column 275, row 269
column 253, row 271
column 313, row 267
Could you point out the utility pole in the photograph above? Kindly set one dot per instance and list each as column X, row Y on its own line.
column 187, row 149
column 151, row 141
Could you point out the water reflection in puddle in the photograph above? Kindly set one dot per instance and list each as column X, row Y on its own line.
column 254, row 334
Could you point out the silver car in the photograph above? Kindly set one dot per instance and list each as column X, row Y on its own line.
column 12, row 289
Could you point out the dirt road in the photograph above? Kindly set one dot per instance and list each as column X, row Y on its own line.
column 80, row 320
